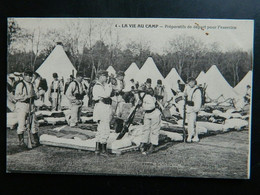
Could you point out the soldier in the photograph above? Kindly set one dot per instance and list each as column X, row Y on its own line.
column 152, row 123
column 40, row 86
column 75, row 94
column 10, row 95
column 248, row 94
column 159, row 92
column 102, row 113
column 23, row 93
column 194, row 103
column 56, row 88
column 69, row 80
column 146, row 85
column 118, row 92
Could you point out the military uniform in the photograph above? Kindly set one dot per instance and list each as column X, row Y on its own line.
column 75, row 95
column 118, row 97
column 195, row 101
column 160, row 94
column 152, row 122
column 56, row 89
column 23, row 92
column 102, row 111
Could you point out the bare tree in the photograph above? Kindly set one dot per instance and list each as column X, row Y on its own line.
column 185, row 52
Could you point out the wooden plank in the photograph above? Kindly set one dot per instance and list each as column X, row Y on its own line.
column 78, row 147
column 120, row 151
column 65, row 145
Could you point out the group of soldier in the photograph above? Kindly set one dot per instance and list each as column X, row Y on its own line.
column 105, row 91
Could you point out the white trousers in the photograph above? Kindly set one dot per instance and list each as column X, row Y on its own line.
column 22, row 110
column 54, row 104
column 103, row 130
column 75, row 110
column 151, row 127
column 191, row 119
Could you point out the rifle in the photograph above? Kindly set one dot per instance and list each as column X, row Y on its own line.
column 128, row 121
column 29, row 140
column 58, row 95
column 184, row 118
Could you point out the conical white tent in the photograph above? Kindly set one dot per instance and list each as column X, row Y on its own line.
column 172, row 79
column 150, row 70
column 240, row 88
column 111, row 71
column 200, row 78
column 130, row 72
column 217, row 85
column 58, row 62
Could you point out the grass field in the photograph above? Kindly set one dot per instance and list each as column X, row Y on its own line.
column 218, row 156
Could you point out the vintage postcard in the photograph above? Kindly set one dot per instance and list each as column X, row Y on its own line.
column 130, row 96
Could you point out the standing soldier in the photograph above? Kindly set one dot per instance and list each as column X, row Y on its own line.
column 118, row 88
column 102, row 110
column 152, row 123
column 194, row 103
column 159, row 92
column 146, row 85
column 75, row 94
column 248, row 94
column 40, row 87
column 56, row 88
column 24, row 92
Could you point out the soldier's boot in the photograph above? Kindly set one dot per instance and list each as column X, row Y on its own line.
column 188, row 139
column 104, row 149
column 150, row 150
column 142, row 148
column 36, row 140
column 97, row 150
column 195, row 138
column 21, row 140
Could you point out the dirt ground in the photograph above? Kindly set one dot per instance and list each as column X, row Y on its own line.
column 218, row 156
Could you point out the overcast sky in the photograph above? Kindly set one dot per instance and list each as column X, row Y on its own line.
column 229, row 34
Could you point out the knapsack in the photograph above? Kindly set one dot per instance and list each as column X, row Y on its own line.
column 24, row 86
column 67, row 86
column 202, row 92
column 43, row 84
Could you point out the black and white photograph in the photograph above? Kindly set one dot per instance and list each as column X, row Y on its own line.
column 129, row 96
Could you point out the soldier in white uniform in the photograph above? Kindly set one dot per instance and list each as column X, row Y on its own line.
column 160, row 93
column 102, row 113
column 55, row 91
column 118, row 88
column 75, row 94
column 152, row 122
column 23, row 93
column 193, row 105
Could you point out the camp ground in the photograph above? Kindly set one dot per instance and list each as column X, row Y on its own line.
column 218, row 120
column 104, row 99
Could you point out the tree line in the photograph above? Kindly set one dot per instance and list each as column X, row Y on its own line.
column 187, row 54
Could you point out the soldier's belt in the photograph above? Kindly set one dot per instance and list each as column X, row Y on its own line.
column 159, row 97
column 150, row 111
column 52, row 90
column 190, row 103
column 79, row 96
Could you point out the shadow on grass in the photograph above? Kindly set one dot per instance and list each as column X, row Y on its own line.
column 14, row 149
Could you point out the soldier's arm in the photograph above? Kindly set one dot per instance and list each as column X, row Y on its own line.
column 61, row 86
column 108, row 90
column 50, row 87
column 197, row 101
column 149, row 103
column 69, row 92
column 19, row 95
column 98, row 92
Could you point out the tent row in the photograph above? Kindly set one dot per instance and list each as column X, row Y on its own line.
column 217, row 86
